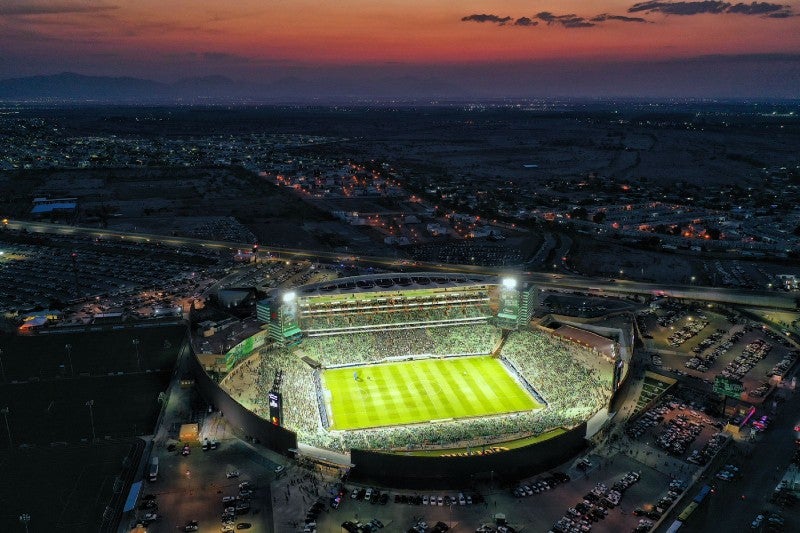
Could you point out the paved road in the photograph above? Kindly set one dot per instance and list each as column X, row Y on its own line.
column 770, row 299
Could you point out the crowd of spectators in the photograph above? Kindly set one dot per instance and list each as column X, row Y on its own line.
column 557, row 369
column 332, row 322
column 572, row 390
column 373, row 346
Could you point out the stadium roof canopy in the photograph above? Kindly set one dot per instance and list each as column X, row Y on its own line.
column 393, row 281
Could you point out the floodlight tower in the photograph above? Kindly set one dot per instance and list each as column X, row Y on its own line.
column 74, row 257
column 25, row 518
column 135, row 343
column 68, row 348
column 90, row 404
column 509, row 304
column 5, row 412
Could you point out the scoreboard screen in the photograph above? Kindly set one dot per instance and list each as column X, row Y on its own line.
column 275, row 408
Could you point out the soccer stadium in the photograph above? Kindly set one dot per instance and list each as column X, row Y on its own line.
column 422, row 364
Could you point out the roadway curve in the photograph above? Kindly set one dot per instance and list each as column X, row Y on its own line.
column 750, row 298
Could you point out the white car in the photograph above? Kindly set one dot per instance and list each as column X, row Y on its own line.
column 232, row 474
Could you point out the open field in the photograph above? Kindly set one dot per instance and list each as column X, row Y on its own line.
column 27, row 357
column 62, row 488
column 56, row 411
column 420, row 391
column 47, row 401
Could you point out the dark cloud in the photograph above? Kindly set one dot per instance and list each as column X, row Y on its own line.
column 51, row 8
column 525, row 21
column 756, row 8
column 680, row 8
column 568, row 21
column 714, row 7
column 621, row 18
column 487, row 18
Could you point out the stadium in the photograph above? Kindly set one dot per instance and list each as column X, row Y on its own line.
column 399, row 366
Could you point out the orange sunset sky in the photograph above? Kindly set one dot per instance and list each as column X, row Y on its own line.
column 259, row 39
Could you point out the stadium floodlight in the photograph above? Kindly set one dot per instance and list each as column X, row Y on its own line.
column 509, row 283
column 289, row 296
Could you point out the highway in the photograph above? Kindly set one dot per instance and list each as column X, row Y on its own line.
column 750, row 298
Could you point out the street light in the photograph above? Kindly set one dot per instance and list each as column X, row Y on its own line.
column 135, row 342
column 90, row 404
column 25, row 518
column 68, row 348
column 4, row 410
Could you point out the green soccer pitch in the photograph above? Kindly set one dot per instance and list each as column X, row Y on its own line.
column 394, row 394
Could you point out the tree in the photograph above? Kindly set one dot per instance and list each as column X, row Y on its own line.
column 599, row 217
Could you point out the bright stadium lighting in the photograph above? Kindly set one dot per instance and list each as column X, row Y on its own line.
column 509, row 283
column 289, row 296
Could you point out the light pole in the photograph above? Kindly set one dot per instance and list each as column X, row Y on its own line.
column 68, row 348
column 4, row 410
column 25, row 518
column 2, row 368
column 451, row 514
column 90, row 404
column 135, row 343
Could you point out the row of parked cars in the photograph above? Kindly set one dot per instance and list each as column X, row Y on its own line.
column 703, row 363
column 594, row 506
column 782, row 366
column 709, row 450
column 370, row 495
column 362, row 527
column 687, row 332
column 679, row 434
column 235, row 506
column 540, row 485
column 441, row 501
column 754, row 352
column 654, row 512
column 421, row 526
column 316, row 509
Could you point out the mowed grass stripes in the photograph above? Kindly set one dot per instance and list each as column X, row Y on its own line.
column 394, row 394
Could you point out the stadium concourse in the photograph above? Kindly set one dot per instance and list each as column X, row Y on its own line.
column 566, row 378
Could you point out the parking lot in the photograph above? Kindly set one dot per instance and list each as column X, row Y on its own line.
column 192, row 488
column 58, row 270
column 731, row 347
column 677, row 429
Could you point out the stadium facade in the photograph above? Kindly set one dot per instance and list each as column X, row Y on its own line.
column 306, row 327
column 383, row 302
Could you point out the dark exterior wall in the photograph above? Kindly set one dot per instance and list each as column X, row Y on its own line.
column 443, row 472
column 249, row 424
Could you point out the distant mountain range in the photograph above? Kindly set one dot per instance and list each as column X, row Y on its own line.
column 71, row 87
